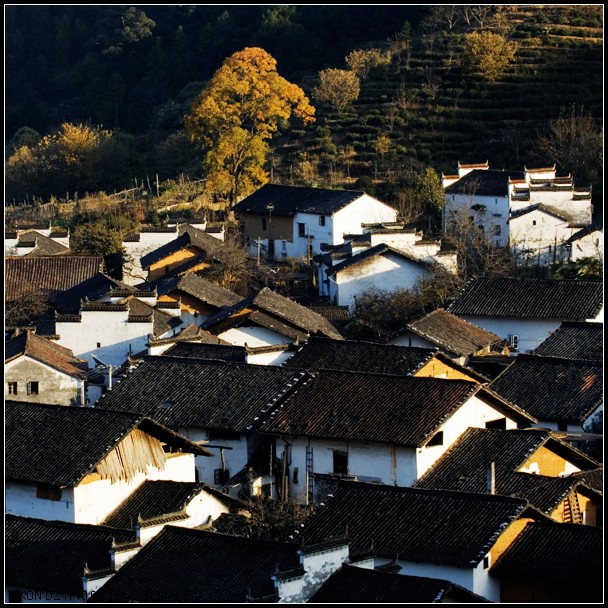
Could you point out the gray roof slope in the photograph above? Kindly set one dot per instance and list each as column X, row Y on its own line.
column 464, row 466
column 95, row 287
column 50, row 555
column 574, row 340
column 377, row 250
column 435, row 526
column 47, row 444
column 198, row 287
column 157, row 498
column 198, row 350
column 530, row 298
column 289, row 200
column 484, row 182
column 272, row 304
column 558, row 553
column 206, row 394
column 552, row 389
column 356, row 585
column 319, row 353
column 370, row 407
column 192, row 566
column 452, row 333
column 52, row 274
column 188, row 236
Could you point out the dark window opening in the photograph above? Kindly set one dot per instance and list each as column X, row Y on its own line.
column 98, row 344
column 340, row 462
column 12, row 388
column 321, row 220
column 301, row 229
column 219, row 434
column 486, row 562
column 501, row 423
column 220, row 476
column 533, row 222
column 32, row 388
column 264, row 224
column 562, row 426
column 437, row 439
column 48, row 492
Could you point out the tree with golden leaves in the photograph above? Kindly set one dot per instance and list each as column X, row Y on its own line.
column 487, row 54
column 337, row 88
column 236, row 114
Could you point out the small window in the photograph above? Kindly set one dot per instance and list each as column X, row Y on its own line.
column 437, row 439
column 340, row 462
column 486, row 562
column 220, row 476
column 501, row 423
column 98, row 344
column 514, row 341
column 533, row 222
column 321, row 220
column 562, row 426
column 48, row 492
column 32, row 388
column 301, row 229
column 296, row 472
column 12, row 388
column 264, row 224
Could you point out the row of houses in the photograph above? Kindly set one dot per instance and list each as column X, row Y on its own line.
column 431, row 464
column 542, row 217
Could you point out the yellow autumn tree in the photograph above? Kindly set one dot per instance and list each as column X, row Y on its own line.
column 235, row 116
column 487, row 54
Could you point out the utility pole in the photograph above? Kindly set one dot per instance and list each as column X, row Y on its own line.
column 270, row 207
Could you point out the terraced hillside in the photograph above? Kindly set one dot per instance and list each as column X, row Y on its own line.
column 435, row 113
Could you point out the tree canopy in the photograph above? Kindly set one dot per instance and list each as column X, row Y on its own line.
column 235, row 115
column 338, row 88
column 487, row 54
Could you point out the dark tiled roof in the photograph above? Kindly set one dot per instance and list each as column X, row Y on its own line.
column 53, row 274
column 44, row 245
column 558, row 553
column 93, row 288
column 574, row 340
column 593, row 479
column 50, row 555
column 323, row 353
column 585, row 231
column 188, row 237
column 369, row 407
column 197, row 350
column 376, row 250
column 531, row 298
column 439, row 527
column 46, row 443
column 50, row 353
column 335, row 314
column 463, row 467
column 200, row 288
column 484, row 182
column 154, row 499
column 363, row 586
column 204, row 394
column 192, row 333
column 552, row 389
column 455, row 335
column 268, row 305
column 289, row 200
column 182, row 565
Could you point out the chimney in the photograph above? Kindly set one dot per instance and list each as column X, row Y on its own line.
column 491, row 478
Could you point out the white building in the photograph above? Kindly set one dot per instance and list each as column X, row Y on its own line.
column 377, row 428
column 526, row 311
column 78, row 464
column 288, row 221
column 534, row 212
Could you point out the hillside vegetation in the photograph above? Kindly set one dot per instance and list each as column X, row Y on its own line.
column 132, row 76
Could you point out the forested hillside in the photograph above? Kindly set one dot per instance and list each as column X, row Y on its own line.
column 113, row 83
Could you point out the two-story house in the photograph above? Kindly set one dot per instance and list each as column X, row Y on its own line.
column 292, row 221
